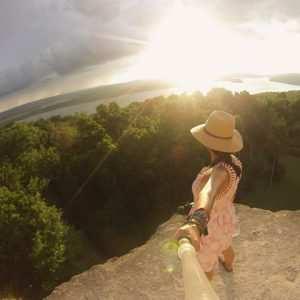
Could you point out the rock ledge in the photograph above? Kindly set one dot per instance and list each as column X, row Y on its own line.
column 267, row 265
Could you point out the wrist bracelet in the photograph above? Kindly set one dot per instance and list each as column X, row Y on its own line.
column 200, row 217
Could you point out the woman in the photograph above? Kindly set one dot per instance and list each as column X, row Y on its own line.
column 212, row 222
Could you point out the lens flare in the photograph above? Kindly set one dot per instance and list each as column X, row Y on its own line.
column 169, row 256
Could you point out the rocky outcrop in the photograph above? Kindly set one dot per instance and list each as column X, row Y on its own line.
column 267, row 265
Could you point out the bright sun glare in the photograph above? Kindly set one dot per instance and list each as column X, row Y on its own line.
column 189, row 48
column 192, row 48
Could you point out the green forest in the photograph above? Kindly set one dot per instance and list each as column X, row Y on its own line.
column 80, row 189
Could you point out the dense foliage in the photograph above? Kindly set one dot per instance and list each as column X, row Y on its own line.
column 32, row 245
column 116, row 174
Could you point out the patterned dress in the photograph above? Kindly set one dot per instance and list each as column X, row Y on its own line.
column 223, row 224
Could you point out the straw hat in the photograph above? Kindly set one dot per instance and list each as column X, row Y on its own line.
column 219, row 133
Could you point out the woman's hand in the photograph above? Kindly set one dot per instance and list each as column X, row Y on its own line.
column 190, row 231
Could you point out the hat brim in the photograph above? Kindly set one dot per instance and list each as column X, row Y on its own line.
column 235, row 144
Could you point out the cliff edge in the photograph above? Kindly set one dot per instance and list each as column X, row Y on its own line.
column 267, row 265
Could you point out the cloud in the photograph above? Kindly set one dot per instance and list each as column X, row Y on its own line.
column 237, row 11
column 103, row 10
column 40, row 38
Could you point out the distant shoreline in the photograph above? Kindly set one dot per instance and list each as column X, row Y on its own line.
column 293, row 78
column 86, row 101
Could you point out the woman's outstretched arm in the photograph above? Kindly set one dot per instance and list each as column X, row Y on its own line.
column 197, row 219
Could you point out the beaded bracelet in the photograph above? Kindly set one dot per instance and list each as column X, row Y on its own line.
column 199, row 217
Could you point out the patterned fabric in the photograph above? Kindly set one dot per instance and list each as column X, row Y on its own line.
column 223, row 224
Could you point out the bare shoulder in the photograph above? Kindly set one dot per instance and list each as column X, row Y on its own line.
column 216, row 182
column 219, row 176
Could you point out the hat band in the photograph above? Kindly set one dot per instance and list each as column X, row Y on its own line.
column 215, row 136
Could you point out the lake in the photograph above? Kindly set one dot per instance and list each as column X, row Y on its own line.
column 252, row 85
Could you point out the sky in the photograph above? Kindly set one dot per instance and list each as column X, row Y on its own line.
column 94, row 42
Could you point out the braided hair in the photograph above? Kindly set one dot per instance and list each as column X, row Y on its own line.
column 227, row 158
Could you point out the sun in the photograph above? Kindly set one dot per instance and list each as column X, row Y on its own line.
column 193, row 48
column 188, row 47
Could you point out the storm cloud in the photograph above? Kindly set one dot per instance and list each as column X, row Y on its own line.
column 40, row 39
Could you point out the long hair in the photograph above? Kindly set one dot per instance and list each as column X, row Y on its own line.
column 227, row 158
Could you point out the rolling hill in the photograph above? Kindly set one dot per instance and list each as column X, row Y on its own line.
column 87, row 100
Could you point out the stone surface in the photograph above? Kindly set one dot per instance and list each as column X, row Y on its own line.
column 267, row 265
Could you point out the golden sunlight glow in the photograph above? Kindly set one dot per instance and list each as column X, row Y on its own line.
column 189, row 48
column 192, row 48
